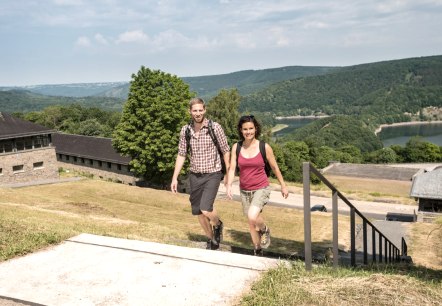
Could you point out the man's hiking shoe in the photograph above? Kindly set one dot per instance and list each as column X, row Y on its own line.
column 212, row 245
column 258, row 252
column 218, row 232
column 265, row 237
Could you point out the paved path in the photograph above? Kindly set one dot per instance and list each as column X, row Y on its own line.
column 297, row 201
column 96, row 270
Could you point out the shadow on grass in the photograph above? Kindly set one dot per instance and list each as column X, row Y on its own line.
column 280, row 248
column 294, row 250
column 418, row 272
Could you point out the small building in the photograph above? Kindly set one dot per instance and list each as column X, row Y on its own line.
column 93, row 155
column 427, row 190
column 26, row 151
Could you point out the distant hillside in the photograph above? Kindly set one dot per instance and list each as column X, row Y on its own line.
column 384, row 90
column 25, row 101
column 249, row 81
column 71, row 90
column 246, row 82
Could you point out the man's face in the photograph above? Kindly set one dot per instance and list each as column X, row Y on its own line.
column 197, row 112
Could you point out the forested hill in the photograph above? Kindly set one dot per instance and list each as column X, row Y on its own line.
column 12, row 101
column 246, row 82
column 249, row 81
column 383, row 89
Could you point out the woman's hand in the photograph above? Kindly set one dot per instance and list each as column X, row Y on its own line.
column 284, row 192
column 229, row 191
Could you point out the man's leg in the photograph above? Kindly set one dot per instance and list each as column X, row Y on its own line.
column 207, row 200
column 205, row 224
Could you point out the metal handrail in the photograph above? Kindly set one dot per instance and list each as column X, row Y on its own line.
column 388, row 251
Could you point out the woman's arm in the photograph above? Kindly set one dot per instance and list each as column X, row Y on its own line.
column 274, row 165
column 231, row 172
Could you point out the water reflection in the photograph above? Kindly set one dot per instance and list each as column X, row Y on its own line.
column 390, row 135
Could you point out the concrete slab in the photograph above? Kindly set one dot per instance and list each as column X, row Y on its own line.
column 96, row 270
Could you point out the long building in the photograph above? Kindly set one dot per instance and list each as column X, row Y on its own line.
column 26, row 151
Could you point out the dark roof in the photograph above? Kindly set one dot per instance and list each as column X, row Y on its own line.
column 98, row 148
column 11, row 127
column 428, row 185
column 373, row 171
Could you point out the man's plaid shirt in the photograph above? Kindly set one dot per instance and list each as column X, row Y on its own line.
column 204, row 157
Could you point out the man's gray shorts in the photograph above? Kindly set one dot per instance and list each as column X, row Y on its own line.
column 203, row 190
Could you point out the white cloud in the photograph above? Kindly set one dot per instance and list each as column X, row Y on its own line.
column 68, row 2
column 83, row 41
column 100, row 39
column 137, row 36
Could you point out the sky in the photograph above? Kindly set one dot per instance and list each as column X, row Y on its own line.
column 88, row 41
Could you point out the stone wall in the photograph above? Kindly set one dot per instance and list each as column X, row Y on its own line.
column 28, row 165
column 99, row 169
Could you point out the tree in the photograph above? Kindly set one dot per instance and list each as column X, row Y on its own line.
column 382, row 156
column 417, row 151
column 91, row 127
column 295, row 153
column 148, row 132
column 223, row 109
column 350, row 154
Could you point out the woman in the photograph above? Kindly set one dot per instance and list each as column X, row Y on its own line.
column 253, row 181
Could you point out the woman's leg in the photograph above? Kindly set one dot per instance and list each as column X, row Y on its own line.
column 255, row 223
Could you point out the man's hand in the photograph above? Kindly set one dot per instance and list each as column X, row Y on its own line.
column 173, row 185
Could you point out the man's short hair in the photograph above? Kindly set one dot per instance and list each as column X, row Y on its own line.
column 197, row 100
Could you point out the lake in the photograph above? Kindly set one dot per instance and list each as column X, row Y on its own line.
column 390, row 135
column 399, row 135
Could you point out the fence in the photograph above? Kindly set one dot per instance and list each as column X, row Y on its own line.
column 382, row 251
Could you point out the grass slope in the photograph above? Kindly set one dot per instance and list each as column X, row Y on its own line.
column 35, row 217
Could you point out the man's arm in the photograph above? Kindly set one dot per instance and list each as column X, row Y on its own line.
column 178, row 166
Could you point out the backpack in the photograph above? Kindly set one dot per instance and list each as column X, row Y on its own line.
column 262, row 150
column 214, row 139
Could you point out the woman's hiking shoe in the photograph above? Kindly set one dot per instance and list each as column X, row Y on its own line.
column 258, row 252
column 212, row 245
column 265, row 237
column 218, row 232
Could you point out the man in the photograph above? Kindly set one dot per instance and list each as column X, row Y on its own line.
column 205, row 169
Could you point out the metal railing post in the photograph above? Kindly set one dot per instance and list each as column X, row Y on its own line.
column 335, row 229
column 373, row 245
column 353, row 236
column 364, row 235
column 307, row 217
column 380, row 247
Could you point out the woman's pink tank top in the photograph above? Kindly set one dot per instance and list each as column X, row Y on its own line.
column 252, row 175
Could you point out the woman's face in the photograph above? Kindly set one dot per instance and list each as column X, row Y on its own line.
column 248, row 130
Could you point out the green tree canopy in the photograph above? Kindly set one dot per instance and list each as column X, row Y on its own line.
column 148, row 132
column 294, row 153
column 382, row 156
column 417, row 150
column 223, row 109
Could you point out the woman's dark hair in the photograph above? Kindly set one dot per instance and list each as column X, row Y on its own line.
column 249, row 118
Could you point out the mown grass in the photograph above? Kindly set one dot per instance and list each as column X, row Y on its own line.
column 37, row 217
column 377, row 285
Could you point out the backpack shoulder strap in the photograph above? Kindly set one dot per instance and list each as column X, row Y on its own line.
column 262, row 150
column 215, row 142
column 188, row 136
column 238, row 149
column 212, row 132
